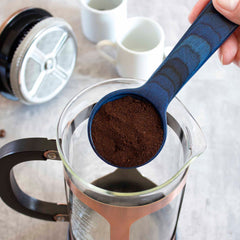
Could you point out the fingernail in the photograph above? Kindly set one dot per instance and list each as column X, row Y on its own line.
column 221, row 58
column 228, row 5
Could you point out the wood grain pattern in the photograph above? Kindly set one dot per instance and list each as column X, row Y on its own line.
column 201, row 40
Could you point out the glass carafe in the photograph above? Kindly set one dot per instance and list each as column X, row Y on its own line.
column 104, row 202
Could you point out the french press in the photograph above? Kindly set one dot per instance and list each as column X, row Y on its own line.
column 104, row 202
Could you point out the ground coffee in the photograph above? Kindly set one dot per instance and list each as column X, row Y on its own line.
column 127, row 132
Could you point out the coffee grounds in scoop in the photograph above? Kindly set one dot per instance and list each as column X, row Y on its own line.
column 127, row 132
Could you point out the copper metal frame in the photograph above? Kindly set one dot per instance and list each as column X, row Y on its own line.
column 70, row 236
column 122, row 215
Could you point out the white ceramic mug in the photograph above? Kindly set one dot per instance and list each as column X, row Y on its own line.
column 102, row 19
column 139, row 49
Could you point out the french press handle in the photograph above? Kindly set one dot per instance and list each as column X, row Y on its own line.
column 25, row 150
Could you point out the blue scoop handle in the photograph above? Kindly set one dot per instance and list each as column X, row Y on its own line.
column 201, row 40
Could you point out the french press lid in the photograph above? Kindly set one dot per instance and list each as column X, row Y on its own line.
column 41, row 58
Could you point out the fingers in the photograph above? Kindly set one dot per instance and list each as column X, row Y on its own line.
column 199, row 6
column 229, row 50
column 237, row 57
column 229, row 8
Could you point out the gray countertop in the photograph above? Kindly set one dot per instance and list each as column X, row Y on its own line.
column 211, row 208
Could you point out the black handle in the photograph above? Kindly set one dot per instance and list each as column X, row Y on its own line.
column 25, row 150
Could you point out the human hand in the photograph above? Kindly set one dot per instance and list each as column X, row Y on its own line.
column 230, row 50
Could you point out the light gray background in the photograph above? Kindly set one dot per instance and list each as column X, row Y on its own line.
column 211, row 208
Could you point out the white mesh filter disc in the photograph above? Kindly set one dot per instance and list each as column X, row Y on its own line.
column 44, row 61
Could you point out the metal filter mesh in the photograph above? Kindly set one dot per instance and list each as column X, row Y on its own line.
column 44, row 61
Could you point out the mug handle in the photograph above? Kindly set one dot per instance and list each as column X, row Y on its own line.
column 24, row 150
column 103, row 44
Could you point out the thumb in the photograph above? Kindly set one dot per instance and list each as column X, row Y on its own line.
column 229, row 8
